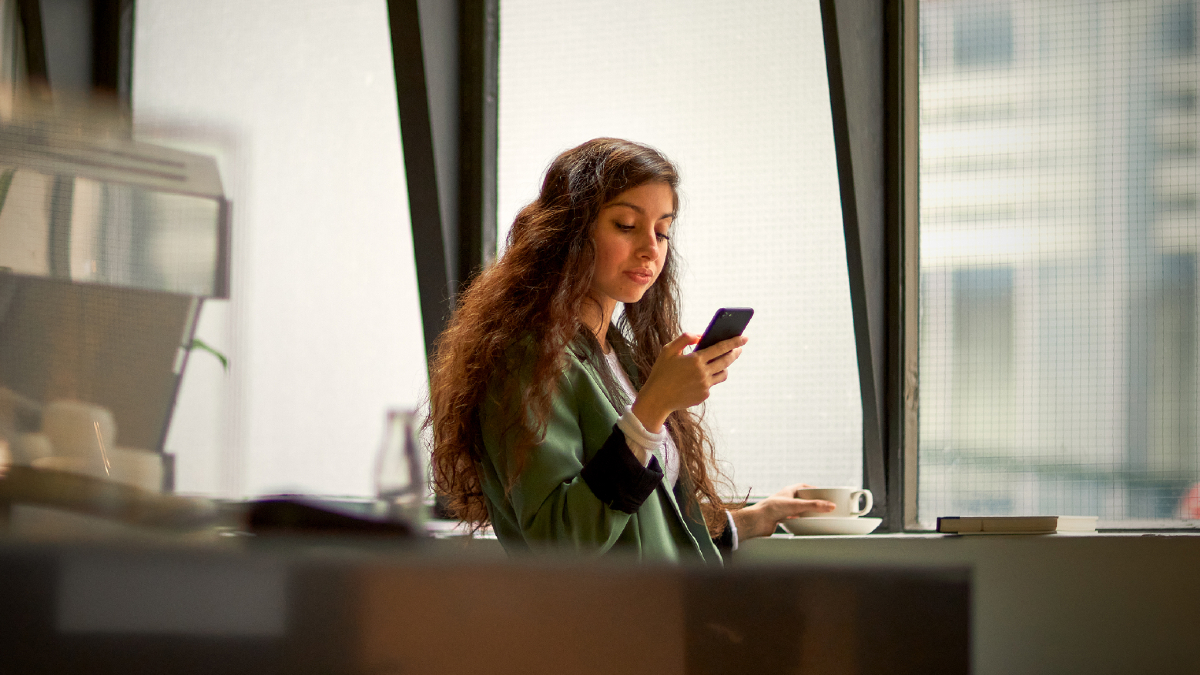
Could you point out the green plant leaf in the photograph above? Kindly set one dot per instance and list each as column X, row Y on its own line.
column 5, row 183
column 197, row 343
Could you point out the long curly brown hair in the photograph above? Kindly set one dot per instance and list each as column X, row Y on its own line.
column 540, row 288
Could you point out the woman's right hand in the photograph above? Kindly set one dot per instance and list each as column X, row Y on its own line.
column 679, row 380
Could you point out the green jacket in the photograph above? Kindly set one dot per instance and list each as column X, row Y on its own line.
column 552, row 507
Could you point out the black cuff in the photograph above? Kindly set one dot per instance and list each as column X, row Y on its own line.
column 617, row 477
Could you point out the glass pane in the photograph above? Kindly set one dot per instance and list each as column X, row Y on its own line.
column 322, row 331
column 1058, row 252
column 737, row 95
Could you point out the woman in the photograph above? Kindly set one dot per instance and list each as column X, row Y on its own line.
column 562, row 429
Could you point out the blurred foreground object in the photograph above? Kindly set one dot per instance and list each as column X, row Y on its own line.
column 284, row 606
column 296, row 515
column 1189, row 506
column 107, row 249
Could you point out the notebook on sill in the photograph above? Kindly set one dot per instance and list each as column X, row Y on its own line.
column 1015, row 524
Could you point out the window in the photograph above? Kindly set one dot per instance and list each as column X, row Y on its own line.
column 737, row 95
column 983, row 36
column 297, row 100
column 1058, row 241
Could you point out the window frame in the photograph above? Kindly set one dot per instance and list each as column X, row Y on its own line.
column 870, row 49
column 907, row 57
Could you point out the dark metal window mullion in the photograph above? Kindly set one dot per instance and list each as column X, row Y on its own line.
column 479, row 60
column 416, row 133
column 854, row 57
column 448, row 254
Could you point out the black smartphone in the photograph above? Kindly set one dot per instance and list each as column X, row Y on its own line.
column 728, row 322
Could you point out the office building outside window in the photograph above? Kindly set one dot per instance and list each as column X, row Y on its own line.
column 1058, row 242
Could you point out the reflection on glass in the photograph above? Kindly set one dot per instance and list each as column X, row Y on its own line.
column 84, row 230
column 97, row 210
column 107, row 248
column 1059, row 235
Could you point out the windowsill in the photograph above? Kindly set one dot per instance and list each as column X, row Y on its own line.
column 1043, row 603
column 939, row 536
column 909, row 548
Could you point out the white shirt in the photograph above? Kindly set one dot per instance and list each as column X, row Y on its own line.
column 660, row 444
column 636, row 435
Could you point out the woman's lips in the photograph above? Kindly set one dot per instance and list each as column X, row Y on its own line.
column 640, row 276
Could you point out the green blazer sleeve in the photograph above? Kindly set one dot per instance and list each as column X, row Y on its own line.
column 565, row 496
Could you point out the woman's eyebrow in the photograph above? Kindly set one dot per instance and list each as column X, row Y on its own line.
column 640, row 210
column 635, row 207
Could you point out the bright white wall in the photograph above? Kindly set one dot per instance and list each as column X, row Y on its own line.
column 323, row 330
column 736, row 93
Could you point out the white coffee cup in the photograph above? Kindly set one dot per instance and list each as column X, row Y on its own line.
column 85, row 466
column 137, row 468
column 31, row 446
column 129, row 466
column 848, row 501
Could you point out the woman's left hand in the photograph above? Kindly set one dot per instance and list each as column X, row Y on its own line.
column 760, row 519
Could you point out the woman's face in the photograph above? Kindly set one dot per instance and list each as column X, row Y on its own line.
column 631, row 237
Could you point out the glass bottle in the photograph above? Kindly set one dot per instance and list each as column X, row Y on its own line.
column 399, row 475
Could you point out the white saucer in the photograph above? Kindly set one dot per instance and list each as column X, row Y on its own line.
column 830, row 525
